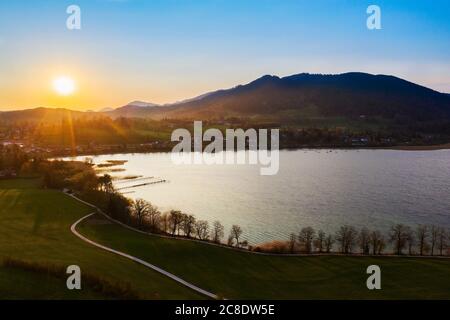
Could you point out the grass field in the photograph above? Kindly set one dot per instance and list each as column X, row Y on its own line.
column 35, row 227
column 244, row 275
column 22, row 284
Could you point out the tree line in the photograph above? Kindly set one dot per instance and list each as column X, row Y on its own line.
column 146, row 216
column 422, row 240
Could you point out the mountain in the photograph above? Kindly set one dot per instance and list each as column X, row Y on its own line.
column 142, row 104
column 134, row 109
column 291, row 99
column 314, row 95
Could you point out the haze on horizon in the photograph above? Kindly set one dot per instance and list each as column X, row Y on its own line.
column 166, row 50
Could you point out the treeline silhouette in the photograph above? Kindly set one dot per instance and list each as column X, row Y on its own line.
column 402, row 239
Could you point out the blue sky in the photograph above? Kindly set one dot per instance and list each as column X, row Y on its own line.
column 163, row 51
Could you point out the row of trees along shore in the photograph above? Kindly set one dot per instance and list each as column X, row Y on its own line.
column 402, row 239
column 80, row 177
column 423, row 240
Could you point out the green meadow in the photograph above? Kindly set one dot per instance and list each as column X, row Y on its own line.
column 35, row 228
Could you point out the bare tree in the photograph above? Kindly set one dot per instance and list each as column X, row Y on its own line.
column 346, row 237
column 410, row 240
column 398, row 237
column 434, row 232
column 381, row 245
column 202, row 229
column 306, row 237
column 188, row 224
column 218, row 231
column 140, row 209
column 292, row 241
column 164, row 222
column 443, row 237
column 422, row 235
column 329, row 241
column 236, row 232
column 319, row 242
column 175, row 219
column 375, row 239
column 154, row 216
column 364, row 240
column 230, row 240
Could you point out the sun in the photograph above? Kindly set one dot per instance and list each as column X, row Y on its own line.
column 64, row 86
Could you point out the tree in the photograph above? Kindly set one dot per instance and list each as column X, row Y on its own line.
column 140, row 210
column 154, row 216
column 236, row 232
column 175, row 219
column 319, row 242
column 410, row 240
column 105, row 183
column 202, row 229
column 218, row 231
column 442, row 240
column 381, row 245
column 346, row 237
column 188, row 224
column 306, row 237
column 364, row 240
column 292, row 241
column 422, row 235
column 434, row 232
column 398, row 236
column 329, row 241
column 164, row 222
column 375, row 237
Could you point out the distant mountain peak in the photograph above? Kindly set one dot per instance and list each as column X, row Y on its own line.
column 265, row 79
column 142, row 104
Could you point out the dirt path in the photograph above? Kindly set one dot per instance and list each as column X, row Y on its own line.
column 140, row 261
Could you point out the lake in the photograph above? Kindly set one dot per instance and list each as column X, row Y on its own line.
column 319, row 188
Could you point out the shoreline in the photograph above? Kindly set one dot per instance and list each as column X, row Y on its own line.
column 445, row 146
column 244, row 250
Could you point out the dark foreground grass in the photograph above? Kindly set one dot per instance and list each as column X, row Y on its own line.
column 18, row 283
column 244, row 275
column 91, row 283
column 35, row 227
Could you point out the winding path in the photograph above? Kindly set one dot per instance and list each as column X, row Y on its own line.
column 140, row 261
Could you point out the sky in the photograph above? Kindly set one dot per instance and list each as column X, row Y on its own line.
column 163, row 51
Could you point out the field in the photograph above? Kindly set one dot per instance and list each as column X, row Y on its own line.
column 244, row 275
column 35, row 228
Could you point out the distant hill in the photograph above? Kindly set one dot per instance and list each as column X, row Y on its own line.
column 313, row 95
column 295, row 97
column 134, row 109
column 49, row 115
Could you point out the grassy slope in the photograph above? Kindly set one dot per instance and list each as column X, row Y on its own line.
column 21, row 284
column 247, row 276
column 35, row 227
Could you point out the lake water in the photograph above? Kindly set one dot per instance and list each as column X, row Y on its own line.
column 319, row 188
